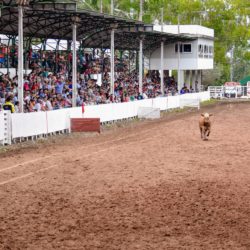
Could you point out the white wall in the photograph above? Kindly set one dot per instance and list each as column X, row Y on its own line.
column 39, row 123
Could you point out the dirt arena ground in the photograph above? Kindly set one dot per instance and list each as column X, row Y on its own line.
column 151, row 185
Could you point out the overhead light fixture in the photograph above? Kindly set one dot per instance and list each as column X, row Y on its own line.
column 113, row 25
column 76, row 19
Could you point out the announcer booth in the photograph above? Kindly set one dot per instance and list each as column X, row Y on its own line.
column 188, row 57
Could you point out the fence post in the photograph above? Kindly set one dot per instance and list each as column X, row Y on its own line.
column 7, row 127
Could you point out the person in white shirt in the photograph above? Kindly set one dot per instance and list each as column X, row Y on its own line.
column 48, row 104
column 37, row 107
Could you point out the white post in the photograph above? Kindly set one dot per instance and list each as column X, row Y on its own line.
column 74, row 67
column 199, row 80
column 141, row 51
column 232, row 62
column 112, row 62
column 140, row 66
column 112, row 7
column 162, row 67
column 179, row 58
column 193, row 80
column 141, row 10
column 188, row 78
column 101, row 8
column 20, row 57
column 162, row 55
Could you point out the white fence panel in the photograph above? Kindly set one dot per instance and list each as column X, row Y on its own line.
column 173, row 102
column 58, row 120
column 1, row 127
column 161, row 103
column 146, row 103
column 28, row 124
column 75, row 112
column 111, row 112
column 204, row 96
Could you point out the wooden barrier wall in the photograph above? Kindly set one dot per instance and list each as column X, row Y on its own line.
column 85, row 125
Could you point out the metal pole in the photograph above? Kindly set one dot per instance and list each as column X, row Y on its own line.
column 20, row 57
column 140, row 66
column 8, row 63
column 162, row 56
column 112, row 62
column 232, row 61
column 141, row 10
column 101, row 7
column 112, row 7
column 179, row 57
column 74, row 69
column 162, row 67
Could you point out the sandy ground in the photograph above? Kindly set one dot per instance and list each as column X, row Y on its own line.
column 153, row 185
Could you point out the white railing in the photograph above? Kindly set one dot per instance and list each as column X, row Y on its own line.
column 229, row 91
column 43, row 123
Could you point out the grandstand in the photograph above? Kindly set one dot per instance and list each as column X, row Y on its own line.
column 92, row 30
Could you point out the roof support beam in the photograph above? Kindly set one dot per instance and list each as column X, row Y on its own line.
column 112, row 62
column 141, row 73
column 20, row 57
column 74, row 67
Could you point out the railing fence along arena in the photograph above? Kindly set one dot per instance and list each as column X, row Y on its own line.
column 32, row 125
column 40, row 124
column 232, row 92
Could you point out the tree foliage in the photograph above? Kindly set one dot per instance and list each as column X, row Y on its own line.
column 228, row 18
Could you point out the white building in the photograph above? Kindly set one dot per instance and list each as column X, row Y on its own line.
column 195, row 55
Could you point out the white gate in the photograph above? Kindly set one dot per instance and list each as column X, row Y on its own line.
column 229, row 91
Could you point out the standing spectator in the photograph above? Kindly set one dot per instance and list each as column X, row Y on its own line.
column 8, row 105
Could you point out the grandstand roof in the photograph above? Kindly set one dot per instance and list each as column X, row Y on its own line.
column 54, row 20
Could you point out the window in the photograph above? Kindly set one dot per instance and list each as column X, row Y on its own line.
column 184, row 48
column 211, row 51
column 206, row 51
column 200, row 50
column 176, row 48
column 187, row 48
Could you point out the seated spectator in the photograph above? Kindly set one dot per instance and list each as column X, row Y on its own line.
column 49, row 85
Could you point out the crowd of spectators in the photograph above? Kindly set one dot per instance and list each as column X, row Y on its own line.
column 48, row 86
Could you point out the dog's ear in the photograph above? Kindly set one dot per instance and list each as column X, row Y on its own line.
column 202, row 115
column 210, row 114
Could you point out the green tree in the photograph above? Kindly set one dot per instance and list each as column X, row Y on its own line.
column 228, row 18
